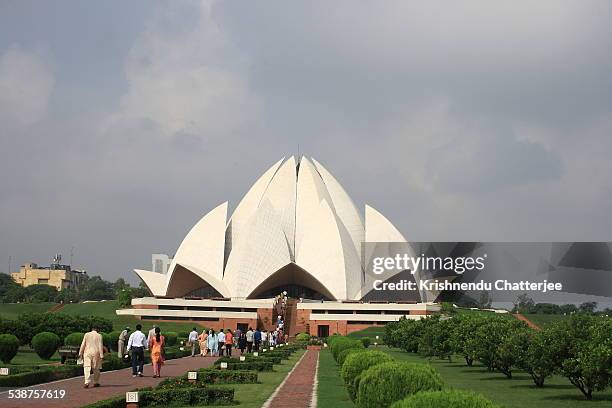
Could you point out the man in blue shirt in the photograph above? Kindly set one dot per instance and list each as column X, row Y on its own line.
column 257, row 339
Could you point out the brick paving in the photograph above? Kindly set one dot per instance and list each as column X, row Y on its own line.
column 113, row 383
column 297, row 390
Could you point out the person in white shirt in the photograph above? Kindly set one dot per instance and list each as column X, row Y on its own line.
column 221, row 340
column 193, row 340
column 249, row 340
column 137, row 344
column 264, row 338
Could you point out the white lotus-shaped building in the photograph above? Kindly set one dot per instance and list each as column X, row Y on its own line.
column 296, row 227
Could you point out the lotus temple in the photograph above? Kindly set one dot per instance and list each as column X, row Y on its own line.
column 296, row 231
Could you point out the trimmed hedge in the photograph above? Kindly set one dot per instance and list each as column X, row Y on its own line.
column 114, row 340
column 302, row 337
column 171, row 338
column 445, row 399
column 74, row 339
column 209, row 376
column 255, row 365
column 381, row 385
column 250, row 357
column 356, row 363
column 46, row 344
column 40, row 376
column 344, row 343
column 9, row 345
column 174, row 397
column 344, row 354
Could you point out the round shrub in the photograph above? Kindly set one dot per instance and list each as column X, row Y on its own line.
column 445, row 399
column 330, row 339
column 366, row 341
column 302, row 337
column 356, row 363
column 74, row 339
column 344, row 343
column 344, row 354
column 9, row 345
column 114, row 340
column 171, row 338
column 385, row 383
column 46, row 344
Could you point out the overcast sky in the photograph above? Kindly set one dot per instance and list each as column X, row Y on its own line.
column 122, row 123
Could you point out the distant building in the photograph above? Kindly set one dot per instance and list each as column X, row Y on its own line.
column 160, row 263
column 59, row 276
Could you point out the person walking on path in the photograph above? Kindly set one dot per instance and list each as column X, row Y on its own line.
column 137, row 344
column 242, row 342
column 123, row 337
column 157, row 346
column 229, row 342
column 221, row 341
column 202, row 339
column 257, row 339
column 212, row 342
column 92, row 352
column 249, row 340
column 193, row 341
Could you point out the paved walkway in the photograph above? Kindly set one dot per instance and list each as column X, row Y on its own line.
column 113, row 383
column 298, row 390
column 526, row 320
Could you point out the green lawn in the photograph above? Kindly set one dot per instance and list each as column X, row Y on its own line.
column 543, row 320
column 518, row 392
column 28, row 357
column 254, row 395
column 12, row 310
column 370, row 332
column 331, row 390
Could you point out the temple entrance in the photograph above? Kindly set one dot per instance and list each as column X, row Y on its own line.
column 296, row 281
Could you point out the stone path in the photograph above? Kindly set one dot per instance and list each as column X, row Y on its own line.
column 298, row 390
column 113, row 383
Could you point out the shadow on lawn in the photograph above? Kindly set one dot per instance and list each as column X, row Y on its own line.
column 549, row 386
column 577, row 397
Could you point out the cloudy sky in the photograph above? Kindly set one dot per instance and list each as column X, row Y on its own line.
column 122, row 123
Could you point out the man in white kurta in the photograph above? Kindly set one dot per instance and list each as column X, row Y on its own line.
column 92, row 352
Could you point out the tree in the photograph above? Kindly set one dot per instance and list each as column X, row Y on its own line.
column 67, row 295
column 587, row 307
column 435, row 338
column 544, row 354
column 40, row 293
column 464, row 329
column 512, row 348
column 96, row 288
column 6, row 284
column 588, row 366
column 524, row 304
column 125, row 297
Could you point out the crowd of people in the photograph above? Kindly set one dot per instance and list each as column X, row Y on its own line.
column 132, row 346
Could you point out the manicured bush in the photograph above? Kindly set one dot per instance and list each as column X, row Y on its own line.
column 256, row 365
column 63, row 324
column 9, row 345
column 385, row 383
column 114, row 340
column 209, row 376
column 74, row 339
column 445, row 399
column 171, row 338
column 342, row 344
column 302, row 337
column 174, row 397
column 46, row 344
column 356, row 363
column 344, row 354
column 17, row 328
column 365, row 341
